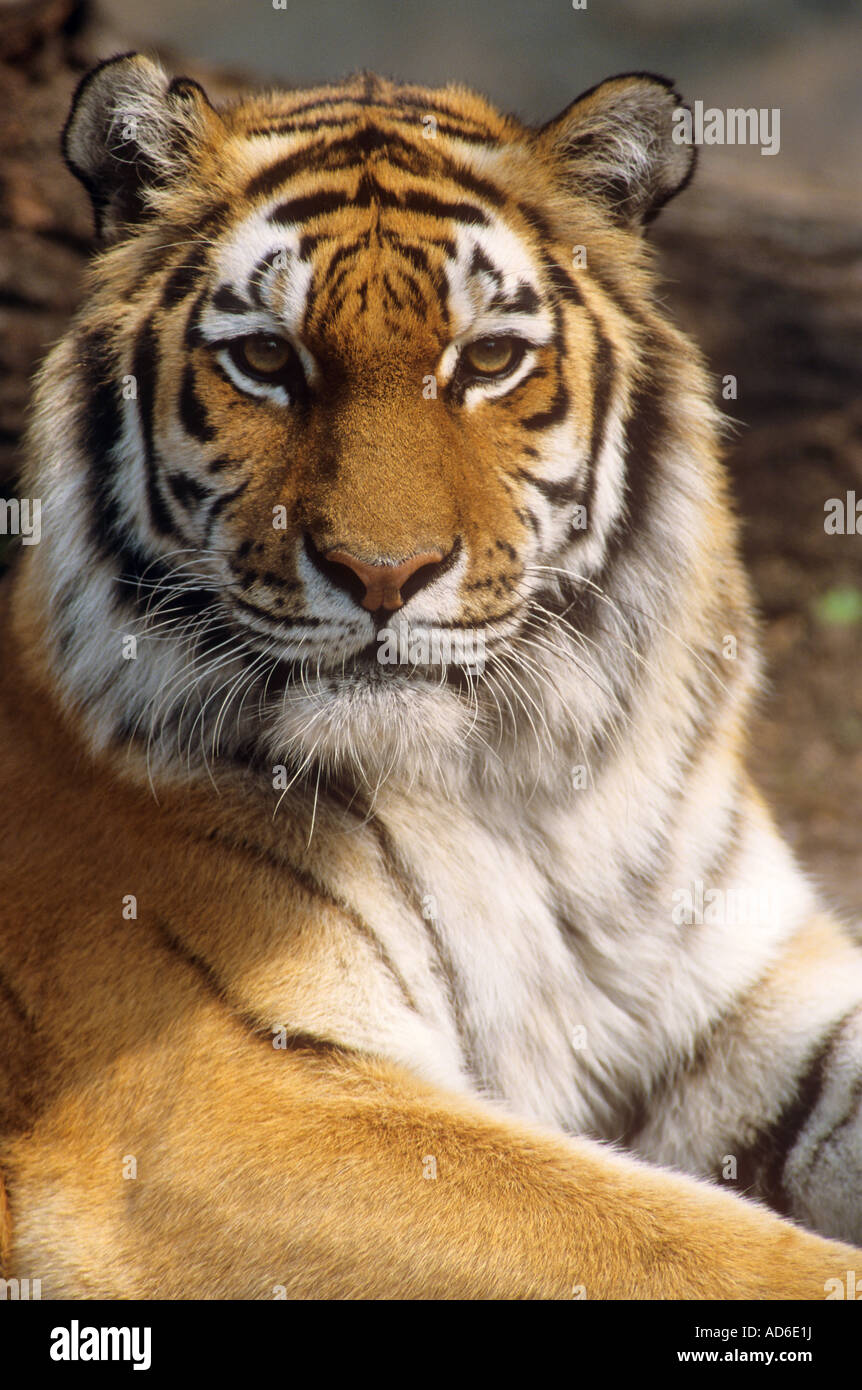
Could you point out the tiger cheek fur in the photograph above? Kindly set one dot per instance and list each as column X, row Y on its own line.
column 367, row 357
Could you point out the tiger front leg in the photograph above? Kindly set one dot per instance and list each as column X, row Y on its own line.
column 352, row 1180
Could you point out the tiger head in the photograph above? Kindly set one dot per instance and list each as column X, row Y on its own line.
column 370, row 433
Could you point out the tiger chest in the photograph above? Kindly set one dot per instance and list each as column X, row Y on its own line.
column 470, row 918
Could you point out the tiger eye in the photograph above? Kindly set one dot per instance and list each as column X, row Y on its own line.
column 489, row 356
column 265, row 354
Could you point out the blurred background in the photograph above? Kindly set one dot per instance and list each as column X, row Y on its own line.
column 761, row 260
column 534, row 56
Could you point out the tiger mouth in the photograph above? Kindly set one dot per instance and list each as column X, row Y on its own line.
column 364, row 670
column 421, row 651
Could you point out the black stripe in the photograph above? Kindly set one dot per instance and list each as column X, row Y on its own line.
column 566, row 490
column 479, row 264
column 347, row 252
column 309, row 242
column 229, row 302
column 445, row 968
column 850, row 1114
column 218, row 506
column 286, row 621
column 16, row 1003
column 417, row 254
column 415, row 200
column 370, row 192
column 144, row 573
column 603, row 377
column 187, row 490
column 192, row 410
column 448, row 122
column 313, row 886
column 178, row 947
column 255, row 280
column 562, row 282
column 523, row 301
column 321, row 103
column 330, row 288
column 855, row 1095
column 544, row 419
column 536, row 373
column 144, row 364
column 296, row 1040
column 391, row 291
column 193, row 335
column 183, row 279
column 350, row 150
column 400, row 155
column 646, row 431
column 211, row 221
column 763, row 1163
column 268, row 180
column 414, row 291
column 708, row 1046
column 332, row 309
column 465, row 178
column 64, row 602
column 311, row 205
column 277, row 581
column 100, row 427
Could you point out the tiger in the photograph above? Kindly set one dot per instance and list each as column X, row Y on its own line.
column 388, row 912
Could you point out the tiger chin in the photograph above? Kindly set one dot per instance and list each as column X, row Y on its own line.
column 327, row 973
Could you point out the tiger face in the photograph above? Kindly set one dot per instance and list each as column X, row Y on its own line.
column 359, row 411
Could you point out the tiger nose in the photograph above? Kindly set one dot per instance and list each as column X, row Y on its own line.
column 383, row 583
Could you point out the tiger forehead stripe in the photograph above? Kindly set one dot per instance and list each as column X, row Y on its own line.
column 369, row 193
column 269, row 180
column 409, row 100
column 313, row 125
column 362, row 144
column 319, row 114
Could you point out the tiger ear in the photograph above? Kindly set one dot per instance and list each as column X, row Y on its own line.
column 131, row 129
column 620, row 144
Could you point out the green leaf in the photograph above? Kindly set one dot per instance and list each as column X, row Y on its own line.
column 839, row 607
